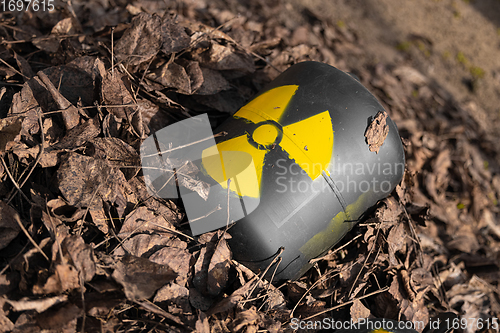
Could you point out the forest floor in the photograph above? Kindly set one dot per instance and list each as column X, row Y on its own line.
column 85, row 248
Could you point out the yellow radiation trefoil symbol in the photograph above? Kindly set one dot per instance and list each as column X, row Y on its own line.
column 308, row 142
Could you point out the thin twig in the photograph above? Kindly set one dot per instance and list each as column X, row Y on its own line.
column 209, row 213
column 186, row 145
column 269, row 285
column 39, row 156
column 261, row 276
column 112, row 52
column 347, row 303
column 15, row 183
column 330, row 255
column 18, row 220
column 15, row 70
column 364, row 264
column 414, row 233
column 311, row 288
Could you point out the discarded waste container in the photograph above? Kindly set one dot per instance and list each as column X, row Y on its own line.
column 291, row 169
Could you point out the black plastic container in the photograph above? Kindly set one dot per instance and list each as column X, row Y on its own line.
column 301, row 171
column 323, row 114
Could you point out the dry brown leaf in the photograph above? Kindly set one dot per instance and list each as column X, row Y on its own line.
column 116, row 93
column 377, row 131
column 359, row 311
column 27, row 155
column 412, row 310
column 143, row 220
column 81, row 255
column 172, row 75
column 464, row 240
column 60, row 318
column 142, row 245
column 79, row 135
column 118, row 152
column 195, row 73
column 69, row 112
column 201, row 268
column 227, row 58
column 202, row 325
column 213, row 82
column 141, row 41
column 65, row 278
column 24, row 66
column 231, row 301
column 10, row 130
column 173, row 35
column 396, row 241
column 178, row 259
column 390, row 212
column 218, row 270
column 86, row 182
column 140, row 277
column 9, row 228
column 173, row 292
column 249, row 317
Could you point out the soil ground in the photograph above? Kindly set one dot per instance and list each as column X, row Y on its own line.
column 454, row 42
column 85, row 247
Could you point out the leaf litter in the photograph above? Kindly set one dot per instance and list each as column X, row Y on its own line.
column 103, row 254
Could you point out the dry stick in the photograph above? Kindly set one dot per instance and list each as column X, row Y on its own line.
column 364, row 264
column 312, row 287
column 173, row 175
column 59, row 37
column 441, row 290
column 186, row 145
column 16, row 217
column 347, row 303
column 88, row 207
column 16, row 184
column 261, row 276
column 87, row 107
column 39, row 156
column 208, row 214
column 172, row 230
column 82, row 294
column 280, row 259
column 149, row 306
column 13, row 259
column 227, row 221
column 414, row 234
column 15, row 70
column 142, row 78
column 112, row 52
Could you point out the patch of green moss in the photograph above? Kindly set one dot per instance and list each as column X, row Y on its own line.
column 340, row 24
column 493, row 199
column 403, row 46
column 477, row 72
column 460, row 205
column 461, row 58
column 414, row 93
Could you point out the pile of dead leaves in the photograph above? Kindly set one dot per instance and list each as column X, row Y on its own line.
column 84, row 247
